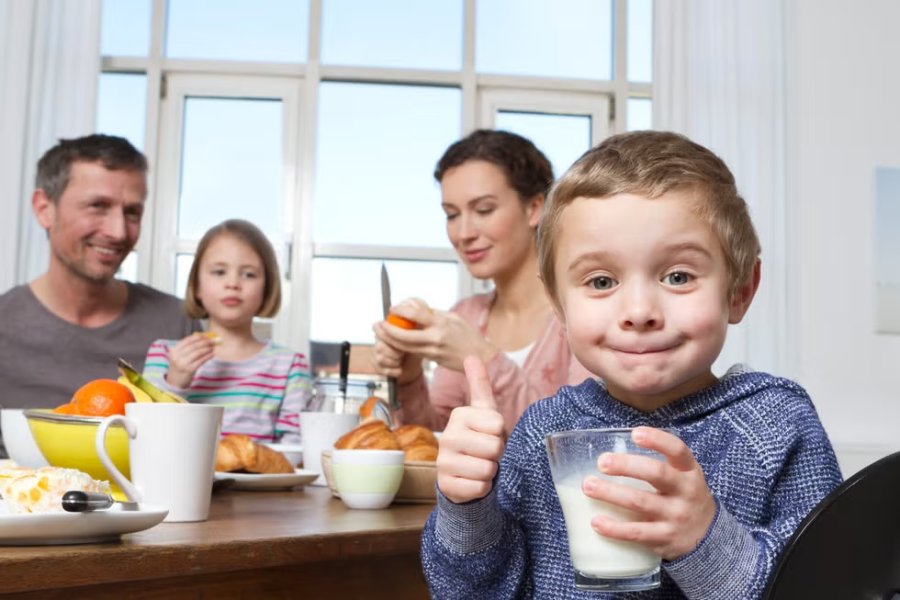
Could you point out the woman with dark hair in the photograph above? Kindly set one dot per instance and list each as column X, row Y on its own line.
column 493, row 187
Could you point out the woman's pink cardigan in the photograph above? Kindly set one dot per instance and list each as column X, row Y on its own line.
column 549, row 365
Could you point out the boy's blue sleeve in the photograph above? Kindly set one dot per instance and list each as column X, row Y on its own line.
column 735, row 560
column 474, row 550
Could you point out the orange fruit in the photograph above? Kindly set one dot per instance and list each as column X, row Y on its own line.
column 401, row 322
column 101, row 398
column 66, row 409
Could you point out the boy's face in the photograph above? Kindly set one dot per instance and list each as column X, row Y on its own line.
column 642, row 289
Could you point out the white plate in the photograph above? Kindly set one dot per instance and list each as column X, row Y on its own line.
column 75, row 528
column 264, row 481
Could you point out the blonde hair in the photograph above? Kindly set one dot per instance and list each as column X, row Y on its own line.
column 651, row 163
column 257, row 240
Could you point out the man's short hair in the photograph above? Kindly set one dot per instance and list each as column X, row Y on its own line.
column 113, row 152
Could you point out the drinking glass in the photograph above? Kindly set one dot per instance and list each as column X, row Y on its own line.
column 600, row 563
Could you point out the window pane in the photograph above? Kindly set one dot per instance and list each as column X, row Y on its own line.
column 377, row 147
column 121, row 106
column 128, row 268
column 275, row 30
column 640, row 114
column 640, row 40
column 125, row 27
column 400, row 33
column 346, row 294
column 571, row 38
column 562, row 138
column 183, row 263
column 231, row 165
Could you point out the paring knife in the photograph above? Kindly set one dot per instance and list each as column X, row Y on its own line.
column 386, row 308
column 343, row 371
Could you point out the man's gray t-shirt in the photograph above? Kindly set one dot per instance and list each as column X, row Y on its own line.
column 44, row 359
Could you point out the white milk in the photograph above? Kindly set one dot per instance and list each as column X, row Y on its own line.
column 592, row 554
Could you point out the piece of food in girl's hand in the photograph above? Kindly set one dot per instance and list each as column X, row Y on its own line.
column 213, row 336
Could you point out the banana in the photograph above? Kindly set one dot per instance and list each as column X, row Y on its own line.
column 153, row 393
column 139, row 394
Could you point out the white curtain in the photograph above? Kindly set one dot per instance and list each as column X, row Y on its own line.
column 49, row 65
column 719, row 79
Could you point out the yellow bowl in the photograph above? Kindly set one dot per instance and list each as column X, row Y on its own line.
column 68, row 441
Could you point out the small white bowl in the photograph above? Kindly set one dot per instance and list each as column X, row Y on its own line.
column 19, row 442
column 367, row 479
column 292, row 452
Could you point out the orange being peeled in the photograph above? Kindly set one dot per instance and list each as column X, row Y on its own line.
column 401, row 322
column 100, row 398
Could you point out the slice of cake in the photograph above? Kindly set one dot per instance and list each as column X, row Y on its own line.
column 41, row 490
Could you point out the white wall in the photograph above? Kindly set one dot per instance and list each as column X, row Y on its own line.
column 843, row 121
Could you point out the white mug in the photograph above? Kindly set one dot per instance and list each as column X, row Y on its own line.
column 172, row 454
column 319, row 431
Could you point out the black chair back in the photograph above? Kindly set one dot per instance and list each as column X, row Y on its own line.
column 848, row 547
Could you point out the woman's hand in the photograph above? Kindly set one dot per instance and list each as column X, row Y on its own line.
column 186, row 357
column 671, row 522
column 441, row 336
column 391, row 362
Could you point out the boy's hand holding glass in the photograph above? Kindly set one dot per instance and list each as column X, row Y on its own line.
column 677, row 516
column 186, row 357
column 472, row 443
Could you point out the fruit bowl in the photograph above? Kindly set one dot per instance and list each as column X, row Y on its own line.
column 68, row 441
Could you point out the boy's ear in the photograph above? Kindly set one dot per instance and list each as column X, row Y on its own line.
column 535, row 209
column 740, row 302
column 554, row 304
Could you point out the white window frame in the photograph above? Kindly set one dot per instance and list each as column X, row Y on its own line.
column 167, row 176
column 482, row 95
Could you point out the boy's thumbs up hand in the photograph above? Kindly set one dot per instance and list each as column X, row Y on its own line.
column 472, row 443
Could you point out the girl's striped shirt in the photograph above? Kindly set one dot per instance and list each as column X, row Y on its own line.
column 262, row 396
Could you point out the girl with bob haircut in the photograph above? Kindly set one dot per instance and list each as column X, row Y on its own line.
column 262, row 385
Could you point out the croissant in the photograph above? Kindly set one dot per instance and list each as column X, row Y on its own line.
column 408, row 435
column 239, row 453
column 373, row 435
column 420, row 451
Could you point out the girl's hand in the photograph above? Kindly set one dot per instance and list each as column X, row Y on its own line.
column 185, row 358
column 470, row 448
column 671, row 522
column 441, row 336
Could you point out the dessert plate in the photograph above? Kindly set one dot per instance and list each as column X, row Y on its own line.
column 265, row 481
column 75, row 528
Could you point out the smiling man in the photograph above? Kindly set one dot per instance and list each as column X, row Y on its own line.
column 70, row 324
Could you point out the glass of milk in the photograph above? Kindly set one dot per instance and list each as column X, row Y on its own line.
column 600, row 563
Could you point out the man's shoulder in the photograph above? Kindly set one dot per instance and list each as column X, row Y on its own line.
column 16, row 294
column 144, row 293
column 142, row 297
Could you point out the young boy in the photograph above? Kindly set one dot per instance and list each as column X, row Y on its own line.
column 648, row 254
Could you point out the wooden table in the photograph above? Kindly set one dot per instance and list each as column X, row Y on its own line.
column 287, row 544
